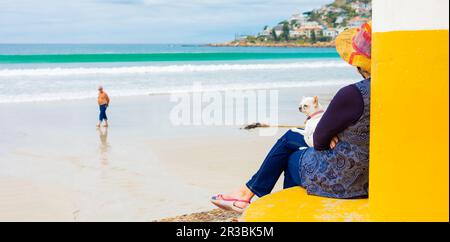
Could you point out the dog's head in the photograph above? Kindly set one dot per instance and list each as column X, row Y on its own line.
column 310, row 105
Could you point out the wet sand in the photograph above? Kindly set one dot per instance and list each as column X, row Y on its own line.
column 56, row 166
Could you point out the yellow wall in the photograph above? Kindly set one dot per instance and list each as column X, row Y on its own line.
column 409, row 163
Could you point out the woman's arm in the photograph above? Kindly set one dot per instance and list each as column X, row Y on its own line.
column 344, row 110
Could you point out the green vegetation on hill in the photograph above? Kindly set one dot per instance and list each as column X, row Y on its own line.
column 315, row 26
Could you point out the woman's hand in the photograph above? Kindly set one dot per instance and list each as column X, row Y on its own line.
column 334, row 142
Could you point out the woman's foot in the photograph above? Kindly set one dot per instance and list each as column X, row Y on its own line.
column 228, row 204
column 237, row 201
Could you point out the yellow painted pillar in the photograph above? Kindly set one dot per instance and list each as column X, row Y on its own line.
column 409, row 149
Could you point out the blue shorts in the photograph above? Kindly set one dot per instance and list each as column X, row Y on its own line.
column 102, row 115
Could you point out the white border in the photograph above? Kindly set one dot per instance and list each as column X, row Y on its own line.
column 392, row 15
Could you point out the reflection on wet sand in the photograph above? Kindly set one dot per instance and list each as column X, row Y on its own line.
column 104, row 145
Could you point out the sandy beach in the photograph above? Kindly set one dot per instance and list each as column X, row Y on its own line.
column 55, row 165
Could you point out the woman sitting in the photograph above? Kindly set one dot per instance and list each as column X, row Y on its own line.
column 338, row 165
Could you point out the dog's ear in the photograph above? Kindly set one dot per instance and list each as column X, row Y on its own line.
column 316, row 101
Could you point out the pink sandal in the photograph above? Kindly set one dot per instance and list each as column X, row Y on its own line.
column 229, row 203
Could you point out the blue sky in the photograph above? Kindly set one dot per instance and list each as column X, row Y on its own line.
column 140, row 21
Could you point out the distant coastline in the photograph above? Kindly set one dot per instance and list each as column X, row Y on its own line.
column 317, row 28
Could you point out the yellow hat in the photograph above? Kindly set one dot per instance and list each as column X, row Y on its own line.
column 355, row 45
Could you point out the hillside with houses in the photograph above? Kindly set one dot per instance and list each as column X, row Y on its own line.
column 318, row 27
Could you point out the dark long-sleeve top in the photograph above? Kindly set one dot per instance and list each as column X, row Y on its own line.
column 345, row 109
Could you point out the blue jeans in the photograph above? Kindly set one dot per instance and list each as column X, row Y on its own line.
column 283, row 157
column 102, row 115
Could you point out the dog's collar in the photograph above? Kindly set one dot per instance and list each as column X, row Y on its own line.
column 313, row 115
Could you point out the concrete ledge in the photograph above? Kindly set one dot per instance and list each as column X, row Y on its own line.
column 295, row 205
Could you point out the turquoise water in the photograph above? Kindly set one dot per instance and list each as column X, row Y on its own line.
column 83, row 58
column 23, row 54
column 51, row 49
column 31, row 73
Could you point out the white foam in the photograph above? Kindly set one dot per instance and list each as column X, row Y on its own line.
column 45, row 97
column 166, row 69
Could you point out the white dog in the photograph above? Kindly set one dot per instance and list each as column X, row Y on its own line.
column 314, row 111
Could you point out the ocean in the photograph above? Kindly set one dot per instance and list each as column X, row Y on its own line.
column 56, row 72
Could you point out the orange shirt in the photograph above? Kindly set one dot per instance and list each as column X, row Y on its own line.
column 103, row 98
